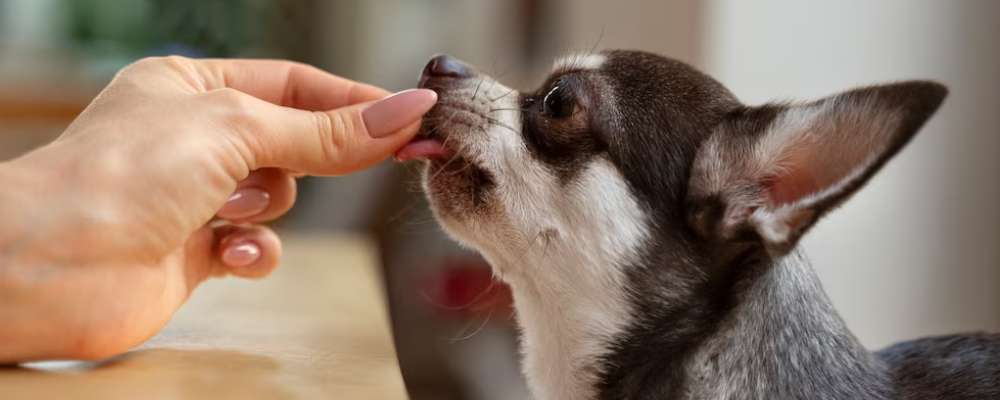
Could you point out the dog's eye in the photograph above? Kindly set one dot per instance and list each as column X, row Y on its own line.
column 558, row 103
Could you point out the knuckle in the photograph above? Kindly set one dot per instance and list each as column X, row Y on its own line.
column 227, row 96
column 233, row 111
column 330, row 128
column 235, row 106
column 142, row 64
column 156, row 63
column 138, row 73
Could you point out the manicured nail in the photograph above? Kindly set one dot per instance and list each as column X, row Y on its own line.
column 397, row 111
column 245, row 203
column 241, row 254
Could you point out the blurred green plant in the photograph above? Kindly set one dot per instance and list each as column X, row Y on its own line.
column 213, row 28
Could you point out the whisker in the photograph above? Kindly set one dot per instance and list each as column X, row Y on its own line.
column 445, row 143
column 478, row 85
column 579, row 56
column 478, row 329
column 439, row 123
column 464, row 168
column 499, row 123
column 600, row 37
column 496, row 78
column 496, row 74
column 462, row 307
column 509, row 91
column 493, row 83
column 509, row 109
column 399, row 214
column 583, row 56
column 493, row 65
column 444, row 167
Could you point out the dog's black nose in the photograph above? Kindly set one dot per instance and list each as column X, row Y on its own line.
column 445, row 66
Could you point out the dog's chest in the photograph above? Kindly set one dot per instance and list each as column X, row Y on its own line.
column 568, row 316
column 563, row 343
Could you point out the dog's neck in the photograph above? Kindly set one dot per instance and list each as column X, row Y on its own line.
column 780, row 338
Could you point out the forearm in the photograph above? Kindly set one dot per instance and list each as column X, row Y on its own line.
column 30, row 327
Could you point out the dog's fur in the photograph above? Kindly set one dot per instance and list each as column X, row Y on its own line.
column 646, row 222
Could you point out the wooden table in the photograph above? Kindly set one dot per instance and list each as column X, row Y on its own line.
column 317, row 328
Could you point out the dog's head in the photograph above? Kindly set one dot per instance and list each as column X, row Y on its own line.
column 620, row 149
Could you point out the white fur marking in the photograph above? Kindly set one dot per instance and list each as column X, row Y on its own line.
column 563, row 248
column 587, row 62
column 573, row 299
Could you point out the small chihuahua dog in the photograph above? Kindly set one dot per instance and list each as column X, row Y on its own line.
column 646, row 222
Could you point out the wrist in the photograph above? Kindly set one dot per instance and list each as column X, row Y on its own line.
column 29, row 279
column 29, row 225
column 21, row 201
column 11, row 200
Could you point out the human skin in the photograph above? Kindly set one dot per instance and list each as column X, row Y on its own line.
column 161, row 183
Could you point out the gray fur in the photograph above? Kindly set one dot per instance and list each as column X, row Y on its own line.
column 785, row 341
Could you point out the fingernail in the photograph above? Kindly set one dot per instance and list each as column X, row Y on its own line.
column 241, row 255
column 397, row 111
column 245, row 203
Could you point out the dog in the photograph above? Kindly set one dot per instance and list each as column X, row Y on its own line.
column 646, row 222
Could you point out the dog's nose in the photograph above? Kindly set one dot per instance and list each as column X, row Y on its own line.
column 445, row 66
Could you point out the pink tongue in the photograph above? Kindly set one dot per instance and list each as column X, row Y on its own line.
column 422, row 149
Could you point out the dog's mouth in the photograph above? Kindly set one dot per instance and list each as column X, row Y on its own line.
column 452, row 177
column 428, row 145
column 443, row 160
column 424, row 148
column 431, row 143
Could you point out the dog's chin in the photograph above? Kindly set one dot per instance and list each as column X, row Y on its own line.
column 456, row 186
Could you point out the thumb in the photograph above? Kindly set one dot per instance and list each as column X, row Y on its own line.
column 334, row 142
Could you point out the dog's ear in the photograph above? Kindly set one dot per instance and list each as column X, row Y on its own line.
column 768, row 173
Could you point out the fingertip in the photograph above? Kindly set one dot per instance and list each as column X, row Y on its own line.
column 251, row 252
column 245, row 203
column 266, row 194
column 241, row 254
column 388, row 116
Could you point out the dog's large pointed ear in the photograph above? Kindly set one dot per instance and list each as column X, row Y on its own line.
column 768, row 173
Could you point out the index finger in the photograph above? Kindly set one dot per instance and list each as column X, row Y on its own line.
column 287, row 83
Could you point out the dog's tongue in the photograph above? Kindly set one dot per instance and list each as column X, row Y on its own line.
column 422, row 149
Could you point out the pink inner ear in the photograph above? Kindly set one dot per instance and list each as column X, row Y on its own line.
column 791, row 187
column 807, row 168
column 816, row 152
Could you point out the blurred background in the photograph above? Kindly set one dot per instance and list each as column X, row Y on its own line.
column 916, row 253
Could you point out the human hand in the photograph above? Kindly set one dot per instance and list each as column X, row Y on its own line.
column 111, row 226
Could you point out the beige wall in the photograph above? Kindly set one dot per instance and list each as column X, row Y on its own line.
column 665, row 27
column 917, row 252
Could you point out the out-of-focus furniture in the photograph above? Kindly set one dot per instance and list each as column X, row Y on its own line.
column 40, row 94
column 26, row 123
column 317, row 328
